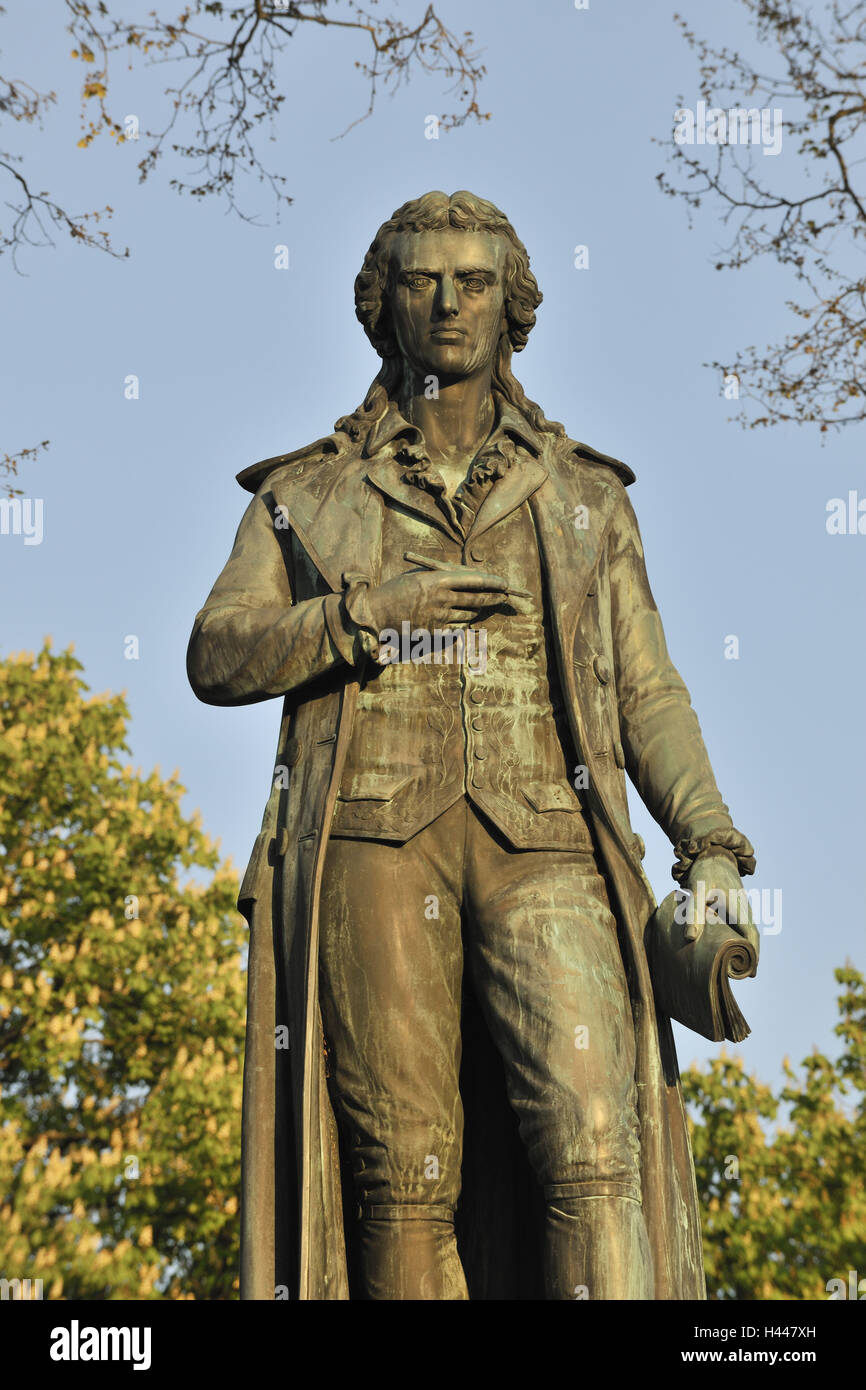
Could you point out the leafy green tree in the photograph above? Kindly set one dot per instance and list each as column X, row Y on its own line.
column 121, row 1009
column 784, row 1203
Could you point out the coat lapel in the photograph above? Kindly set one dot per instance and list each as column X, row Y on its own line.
column 572, row 511
column 508, row 492
column 385, row 475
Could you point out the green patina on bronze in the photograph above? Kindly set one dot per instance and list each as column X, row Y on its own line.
column 448, row 914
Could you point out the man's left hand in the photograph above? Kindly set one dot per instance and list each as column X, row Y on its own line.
column 721, row 897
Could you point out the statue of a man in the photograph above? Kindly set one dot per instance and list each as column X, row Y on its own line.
column 457, row 1082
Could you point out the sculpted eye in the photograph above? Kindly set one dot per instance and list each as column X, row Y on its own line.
column 418, row 282
column 474, row 282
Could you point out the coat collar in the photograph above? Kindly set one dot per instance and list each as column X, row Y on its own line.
column 516, row 482
column 509, row 421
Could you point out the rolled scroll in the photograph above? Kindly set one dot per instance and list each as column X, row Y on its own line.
column 692, row 979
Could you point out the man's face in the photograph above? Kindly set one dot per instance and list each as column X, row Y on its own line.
column 447, row 300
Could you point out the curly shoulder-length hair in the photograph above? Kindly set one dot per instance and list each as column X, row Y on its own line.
column 373, row 285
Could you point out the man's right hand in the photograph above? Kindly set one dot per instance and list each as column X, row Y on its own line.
column 435, row 598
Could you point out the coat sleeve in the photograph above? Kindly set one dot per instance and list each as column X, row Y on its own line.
column 665, row 755
column 251, row 640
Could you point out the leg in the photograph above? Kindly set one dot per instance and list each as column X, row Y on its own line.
column 543, row 950
column 390, row 981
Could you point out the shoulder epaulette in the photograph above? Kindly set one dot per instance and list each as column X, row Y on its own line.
column 622, row 470
column 252, row 478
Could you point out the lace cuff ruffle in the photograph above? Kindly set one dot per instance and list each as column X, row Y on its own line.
column 687, row 851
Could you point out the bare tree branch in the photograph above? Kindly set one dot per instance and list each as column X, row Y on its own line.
column 33, row 217
column 227, row 92
column 816, row 374
column 230, row 88
column 9, row 466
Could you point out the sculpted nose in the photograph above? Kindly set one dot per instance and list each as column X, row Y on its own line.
column 446, row 300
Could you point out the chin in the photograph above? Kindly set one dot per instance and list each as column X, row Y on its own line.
column 450, row 358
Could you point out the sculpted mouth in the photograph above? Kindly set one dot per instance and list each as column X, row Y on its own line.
column 447, row 334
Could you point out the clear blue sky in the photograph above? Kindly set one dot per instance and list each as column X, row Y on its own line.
column 238, row 361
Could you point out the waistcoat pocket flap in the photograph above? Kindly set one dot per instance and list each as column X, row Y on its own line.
column 372, row 786
column 550, row 796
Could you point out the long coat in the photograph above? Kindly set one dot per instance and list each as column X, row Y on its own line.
column 316, row 517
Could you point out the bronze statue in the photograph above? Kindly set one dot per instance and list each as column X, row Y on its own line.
column 458, row 1082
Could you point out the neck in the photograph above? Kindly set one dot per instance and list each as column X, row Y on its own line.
column 458, row 420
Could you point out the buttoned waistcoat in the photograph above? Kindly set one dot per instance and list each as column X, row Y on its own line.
column 486, row 719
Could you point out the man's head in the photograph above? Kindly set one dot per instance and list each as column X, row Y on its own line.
column 445, row 288
column 471, row 229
